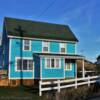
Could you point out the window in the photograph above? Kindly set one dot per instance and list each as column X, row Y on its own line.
column 52, row 63
column 24, row 64
column 19, row 64
column 57, row 63
column 48, row 63
column 68, row 66
column 26, row 45
column 30, row 65
column 45, row 46
column 62, row 47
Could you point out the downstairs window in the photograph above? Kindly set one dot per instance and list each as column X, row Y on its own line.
column 24, row 64
column 52, row 63
column 68, row 66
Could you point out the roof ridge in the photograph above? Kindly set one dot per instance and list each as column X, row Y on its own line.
column 45, row 22
column 59, row 32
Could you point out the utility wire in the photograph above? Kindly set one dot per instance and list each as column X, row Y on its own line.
column 51, row 4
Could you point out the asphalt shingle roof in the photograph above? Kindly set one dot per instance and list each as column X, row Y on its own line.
column 35, row 29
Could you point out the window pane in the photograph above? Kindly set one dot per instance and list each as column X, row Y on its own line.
column 25, row 65
column 26, row 47
column 57, row 63
column 45, row 48
column 68, row 66
column 26, row 44
column 30, row 65
column 62, row 45
column 48, row 63
column 19, row 65
column 62, row 49
column 45, row 44
column 52, row 63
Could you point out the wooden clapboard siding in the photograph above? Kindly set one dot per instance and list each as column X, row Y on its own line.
column 4, row 82
column 17, row 82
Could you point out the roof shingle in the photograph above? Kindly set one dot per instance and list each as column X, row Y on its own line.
column 35, row 29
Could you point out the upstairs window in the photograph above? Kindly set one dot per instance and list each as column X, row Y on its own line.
column 45, row 46
column 26, row 45
column 62, row 48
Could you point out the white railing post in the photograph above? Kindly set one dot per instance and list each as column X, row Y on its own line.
column 40, row 87
column 83, row 69
column 75, row 83
column 58, row 85
column 88, row 81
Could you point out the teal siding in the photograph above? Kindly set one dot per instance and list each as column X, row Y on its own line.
column 36, row 46
column 70, row 48
column 52, row 73
column 54, row 47
column 16, row 51
column 71, row 73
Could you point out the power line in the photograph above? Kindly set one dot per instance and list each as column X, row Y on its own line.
column 47, row 7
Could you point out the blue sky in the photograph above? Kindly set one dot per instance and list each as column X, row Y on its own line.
column 83, row 16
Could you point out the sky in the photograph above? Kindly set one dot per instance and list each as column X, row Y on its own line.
column 82, row 16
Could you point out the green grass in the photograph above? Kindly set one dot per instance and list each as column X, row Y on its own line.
column 31, row 93
column 19, row 93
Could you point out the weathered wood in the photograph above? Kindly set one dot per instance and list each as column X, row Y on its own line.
column 4, row 82
column 16, row 82
column 3, row 72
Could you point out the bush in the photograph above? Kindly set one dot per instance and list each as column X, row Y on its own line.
column 81, row 93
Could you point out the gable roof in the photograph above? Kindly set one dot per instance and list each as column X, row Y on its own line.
column 35, row 29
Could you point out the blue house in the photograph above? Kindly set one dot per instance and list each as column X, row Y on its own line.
column 38, row 50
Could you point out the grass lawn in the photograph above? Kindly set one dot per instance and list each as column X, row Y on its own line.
column 31, row 93
column 19, row 93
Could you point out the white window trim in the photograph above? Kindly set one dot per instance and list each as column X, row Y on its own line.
column 48, row 47
column 70, row 67
column 26, row 58
column 29, row 45
column 65, row 48
column 59, row 67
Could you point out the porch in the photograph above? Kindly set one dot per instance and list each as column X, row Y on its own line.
column 67, row 68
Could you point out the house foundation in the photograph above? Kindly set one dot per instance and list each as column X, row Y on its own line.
column 18, row 82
